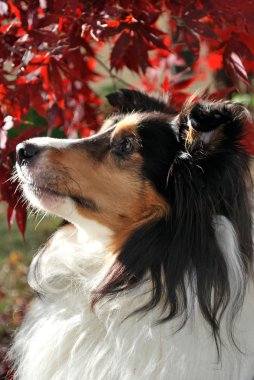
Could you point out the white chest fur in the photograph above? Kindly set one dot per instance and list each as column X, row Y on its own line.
column 62, row 339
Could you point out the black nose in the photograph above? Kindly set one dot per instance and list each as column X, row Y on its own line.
column 25, row 152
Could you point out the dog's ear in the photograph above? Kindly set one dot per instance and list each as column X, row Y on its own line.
column 208, row 125
column 131, row 100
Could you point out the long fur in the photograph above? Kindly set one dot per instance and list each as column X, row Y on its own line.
column 182, row 248
column 176, row 299
column 62, row 338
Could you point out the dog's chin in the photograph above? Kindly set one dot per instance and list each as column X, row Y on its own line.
column 48, row 200
column 63, row 206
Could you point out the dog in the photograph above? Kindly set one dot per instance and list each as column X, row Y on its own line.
column 152, row 278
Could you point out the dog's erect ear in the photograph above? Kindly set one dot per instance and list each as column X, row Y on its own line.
column 206, row 124
column 131, row 100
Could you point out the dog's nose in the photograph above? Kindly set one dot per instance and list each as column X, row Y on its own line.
column 25, row 152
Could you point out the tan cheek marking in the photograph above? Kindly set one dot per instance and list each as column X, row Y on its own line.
column 149, row 206
column 114, row 191
column 70, row 166
column 133, row 203
column 125, row 200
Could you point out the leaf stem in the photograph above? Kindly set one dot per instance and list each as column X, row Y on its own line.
column 113, row 76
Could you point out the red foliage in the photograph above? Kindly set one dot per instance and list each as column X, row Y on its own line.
column 50, row 57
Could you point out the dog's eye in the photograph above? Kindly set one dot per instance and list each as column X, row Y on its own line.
column 125, row 146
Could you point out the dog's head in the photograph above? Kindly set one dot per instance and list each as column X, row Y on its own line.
column 157, row 180
column 125, row 174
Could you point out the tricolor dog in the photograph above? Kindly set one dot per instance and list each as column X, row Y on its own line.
column 152, row 279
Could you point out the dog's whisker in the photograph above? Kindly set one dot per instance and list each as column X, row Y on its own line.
column 43, row 216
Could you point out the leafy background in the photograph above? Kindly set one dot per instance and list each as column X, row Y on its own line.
column 59, row 58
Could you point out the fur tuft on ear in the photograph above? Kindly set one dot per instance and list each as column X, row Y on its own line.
column 205, row 123
column 132, row 100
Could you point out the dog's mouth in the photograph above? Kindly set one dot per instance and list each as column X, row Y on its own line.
column 45, row 193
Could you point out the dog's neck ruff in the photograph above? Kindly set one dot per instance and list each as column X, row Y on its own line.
column 63, row 339
column 91, row 231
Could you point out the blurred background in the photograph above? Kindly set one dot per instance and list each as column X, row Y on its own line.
column 58, row 60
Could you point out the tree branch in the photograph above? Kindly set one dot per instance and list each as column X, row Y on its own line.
column 113, row 76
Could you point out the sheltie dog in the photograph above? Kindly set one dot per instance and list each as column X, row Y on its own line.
column 152, row 279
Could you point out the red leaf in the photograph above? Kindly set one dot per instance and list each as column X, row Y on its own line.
column 55, row 78
column 7, row 188
column 154, row 36
column 203, row 29
column 12, row 195
column 55, row 115
column 119, row 50
column 182, row 84
column 215, row 60
column 113, row 24
column 140, row 52
column 74, row 5
column 14, row 10
column 192, row 41
column 221, row 94
column 10, row 216
column 46, row 21
column 177, row 99
column 59, row 5
column 21, row 217
column 165, row 84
